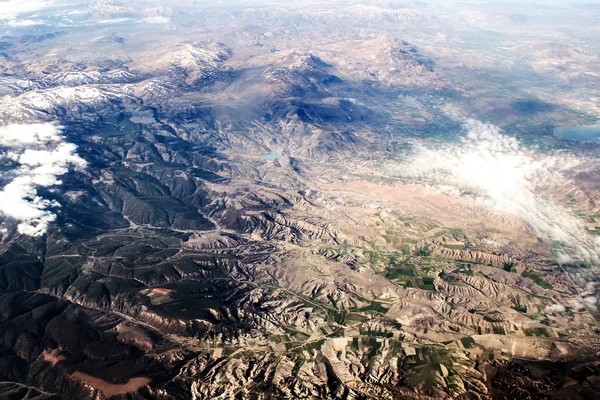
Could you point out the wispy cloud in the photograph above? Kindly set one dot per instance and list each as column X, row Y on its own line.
column 500, row 173
column 42, row 156
column 16, row 23
column 11, row 9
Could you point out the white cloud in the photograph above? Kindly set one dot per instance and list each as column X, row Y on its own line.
column 27, row 13
column 11, row 9
column 502, row 174
column 20, row 23
column 157, row 20
column 116, row 20
column 16, row 135
column 555, row 308
column 43, row 157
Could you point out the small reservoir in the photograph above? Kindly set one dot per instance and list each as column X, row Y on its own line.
column 589, row 133
column 271, row 156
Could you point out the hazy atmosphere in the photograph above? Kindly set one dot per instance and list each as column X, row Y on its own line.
column 299, row 199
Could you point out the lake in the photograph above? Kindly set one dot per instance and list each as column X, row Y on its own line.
column 361, row 60
column 589, row 133
column 271, row 156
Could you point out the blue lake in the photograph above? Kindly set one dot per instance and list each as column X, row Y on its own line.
column 362, row 60
column 272, row 156
column 589, row 133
